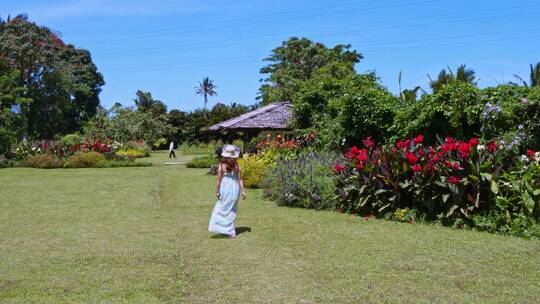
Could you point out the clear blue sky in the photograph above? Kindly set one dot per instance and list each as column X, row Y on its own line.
column 166, row 47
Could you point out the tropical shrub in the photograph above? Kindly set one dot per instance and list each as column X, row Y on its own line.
column 138, row 145
column 454, row 110
column 202, row 162
column 71, row 139
column 451, row 182
column 130, row 154
column 306, row 181
column 253, row 168
column 44, row 161
column 85, row 160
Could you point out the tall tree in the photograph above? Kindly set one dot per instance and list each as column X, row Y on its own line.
column 146, row 103
column 447, row 76
column 295, row 61
column 206, row 88
column 60, row 83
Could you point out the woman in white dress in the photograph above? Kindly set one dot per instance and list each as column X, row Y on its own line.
column 229, row 187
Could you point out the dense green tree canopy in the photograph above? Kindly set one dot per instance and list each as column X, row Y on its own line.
column 58, row 84
column 295, row 61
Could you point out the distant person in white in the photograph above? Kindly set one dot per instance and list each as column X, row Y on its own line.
column 171, row 150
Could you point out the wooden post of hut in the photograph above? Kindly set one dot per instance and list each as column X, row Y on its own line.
column 272, row 117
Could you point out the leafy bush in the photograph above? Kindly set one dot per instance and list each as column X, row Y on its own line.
column 44, row 161
column 454, row 110
column 202, row 162
column 130, row 154
column 71, row 139
column 85, row 160
column 253, row 168
column 353, row 106
column 138, row 145
column 306, row 181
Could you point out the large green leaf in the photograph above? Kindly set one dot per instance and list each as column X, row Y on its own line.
column 494, row 187
column 451, row 211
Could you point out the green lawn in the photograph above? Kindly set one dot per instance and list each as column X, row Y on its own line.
column 139, row 235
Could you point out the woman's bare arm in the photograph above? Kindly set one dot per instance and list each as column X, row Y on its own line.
column 241, row 182
column 219, row 178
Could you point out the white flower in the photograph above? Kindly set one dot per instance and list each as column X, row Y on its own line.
column 524, row 158
column 481, row 148
column 33, row 148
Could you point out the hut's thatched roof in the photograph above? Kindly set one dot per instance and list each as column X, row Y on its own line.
column 275, row 116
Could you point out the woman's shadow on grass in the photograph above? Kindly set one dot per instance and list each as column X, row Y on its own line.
column 239, row 230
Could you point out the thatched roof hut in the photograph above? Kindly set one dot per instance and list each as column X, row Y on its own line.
column 274, row 116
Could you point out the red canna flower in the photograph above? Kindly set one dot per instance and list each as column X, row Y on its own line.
column 453, row 180
column 492, row 147
column 531, row 152
column 474, row 141
column 362, row 155
column 411, row 158
column 403, row 144
column 417, row 168
column 464, row 149
column 418, row 139
column 368, row 142
column 339, row 168
column 360, row 166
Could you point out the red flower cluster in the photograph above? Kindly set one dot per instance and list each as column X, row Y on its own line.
column 281, row 142
column 448, row 158
column 531, row 153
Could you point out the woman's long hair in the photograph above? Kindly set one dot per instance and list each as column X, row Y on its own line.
column 230, row 163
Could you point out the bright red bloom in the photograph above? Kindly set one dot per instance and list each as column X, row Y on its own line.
column 362, row 155
column 360, row 166
column 403, row 144
column 422, row 153
column 339, row 168
column 411, row 158
column 531, row 152
column 449, row 140
column 449, row 146
column 474, row 141
column 368, row 142
column 417, row 168
column 492, row 147
column 354, row 150
column 418, row 139
column 464, row 149
column 453, row 180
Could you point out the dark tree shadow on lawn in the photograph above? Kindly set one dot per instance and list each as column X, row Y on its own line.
column 239, row 230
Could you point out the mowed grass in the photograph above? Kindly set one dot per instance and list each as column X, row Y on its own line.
column 139, row 235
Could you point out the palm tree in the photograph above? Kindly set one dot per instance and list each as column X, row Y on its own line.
column 534, row 77
column 206, row 88
column 446, row 77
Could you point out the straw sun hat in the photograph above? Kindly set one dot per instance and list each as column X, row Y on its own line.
column 230, row 151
